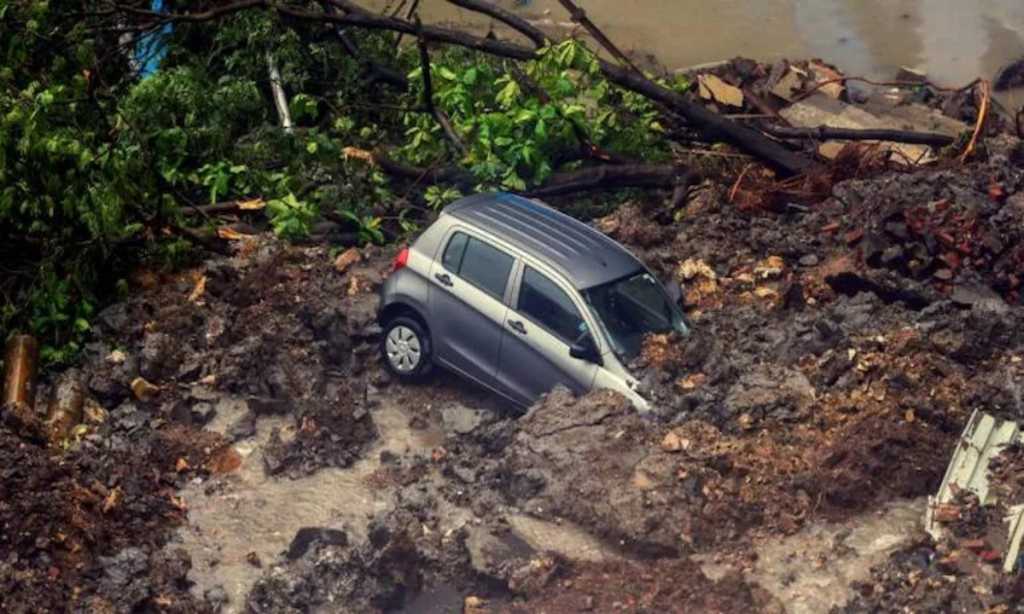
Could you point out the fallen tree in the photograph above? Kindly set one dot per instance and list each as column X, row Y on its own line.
column 347, row 13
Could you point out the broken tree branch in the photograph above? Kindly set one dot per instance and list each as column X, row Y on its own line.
column 428, row 93
column 825, row 133
column 986, row 95
column 579, row 16
column 375, row 70
column 617, row 177
column 280, row 98
column 511, row 20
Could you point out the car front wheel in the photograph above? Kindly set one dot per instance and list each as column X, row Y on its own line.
column 405, row 348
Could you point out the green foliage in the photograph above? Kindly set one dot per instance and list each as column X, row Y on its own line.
column 517, row 122
column 290, row 217
column 437, row 197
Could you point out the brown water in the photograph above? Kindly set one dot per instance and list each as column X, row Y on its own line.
column 953, row 41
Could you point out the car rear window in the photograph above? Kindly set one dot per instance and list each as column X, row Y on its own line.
column 482, row 265
column 541, row 300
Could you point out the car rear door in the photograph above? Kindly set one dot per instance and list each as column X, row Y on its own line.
column 469, row 283
column 542, row 323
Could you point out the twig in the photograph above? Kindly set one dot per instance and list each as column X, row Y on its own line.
column 428, row 93
column 982, row 116
column 412, row 11
column 736, row 186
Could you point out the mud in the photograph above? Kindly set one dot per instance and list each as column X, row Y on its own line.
column 242, row 449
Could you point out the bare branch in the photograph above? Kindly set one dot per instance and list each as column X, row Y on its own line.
column 850, row 134
column 509, row 19
column 428, row 93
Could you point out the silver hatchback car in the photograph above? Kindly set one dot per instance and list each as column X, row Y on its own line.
column 518, row 297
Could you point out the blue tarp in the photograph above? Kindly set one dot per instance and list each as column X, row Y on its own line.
column 151, row 48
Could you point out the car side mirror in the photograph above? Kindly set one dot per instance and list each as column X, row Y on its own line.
column 585, row 349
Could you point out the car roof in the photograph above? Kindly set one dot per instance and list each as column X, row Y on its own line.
column 584, row 255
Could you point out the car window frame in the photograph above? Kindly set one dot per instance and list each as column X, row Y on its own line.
column 569, row 292
column 470, row 235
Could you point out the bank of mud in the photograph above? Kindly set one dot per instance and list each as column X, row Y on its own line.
column 244, row 450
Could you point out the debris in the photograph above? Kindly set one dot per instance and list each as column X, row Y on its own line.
column 66, row 406
column 715, row 89
column 821, row 110
column 978, row 468
column 198, row 290
column 143, row 390
column 226, row 232
column 346, row 259
column 674, row 443
column 770, row 267
column 253, row 204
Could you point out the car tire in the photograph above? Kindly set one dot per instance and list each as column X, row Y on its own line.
column 405, row 348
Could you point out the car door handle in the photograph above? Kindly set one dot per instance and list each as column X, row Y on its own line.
column 517, row 326
column 444, row 278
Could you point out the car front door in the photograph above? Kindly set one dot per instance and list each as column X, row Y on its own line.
column 539, row 329
column 467, row 304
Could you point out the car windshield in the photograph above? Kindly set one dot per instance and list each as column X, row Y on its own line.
column 631, row 308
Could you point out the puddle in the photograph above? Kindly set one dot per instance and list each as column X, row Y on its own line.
column 954, row 41
column 812, row 570
column 257, row 514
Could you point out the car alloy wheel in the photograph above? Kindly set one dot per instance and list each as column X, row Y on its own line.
column 404, row 350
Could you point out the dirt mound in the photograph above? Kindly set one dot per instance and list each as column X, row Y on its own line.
column 85, row 530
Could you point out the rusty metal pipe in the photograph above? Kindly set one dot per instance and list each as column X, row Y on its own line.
column 21, row 361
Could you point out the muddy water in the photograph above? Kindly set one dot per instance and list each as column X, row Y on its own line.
column 953, row 41
column 812, row 570
column 247, row 513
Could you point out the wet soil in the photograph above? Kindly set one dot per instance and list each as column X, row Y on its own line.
column 244, row 450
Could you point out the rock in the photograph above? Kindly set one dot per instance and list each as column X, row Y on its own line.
column 155, row 355
column 491, row 555
column 674, row 443
column 1010, row 76
column 216, row 596
column 809, row 260
column 114, row 319
column 460, row 420
column 124, row 580
column 308, row 536
column 202, row 413
column 254, row 559
column 474, row 605
column 968, row 295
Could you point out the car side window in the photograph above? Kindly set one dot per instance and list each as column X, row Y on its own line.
column 452, row 258
column 480, row 264
column 541, row 300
